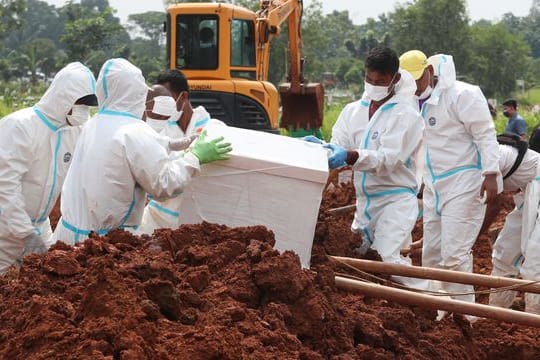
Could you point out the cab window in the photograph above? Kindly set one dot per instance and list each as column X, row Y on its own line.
column 242, row 43
column 196, row 42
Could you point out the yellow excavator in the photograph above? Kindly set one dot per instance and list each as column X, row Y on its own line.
column 224, row 51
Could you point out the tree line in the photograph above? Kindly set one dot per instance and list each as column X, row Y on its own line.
column 37, row 39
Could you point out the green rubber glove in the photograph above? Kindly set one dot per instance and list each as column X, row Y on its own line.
column 213, row 150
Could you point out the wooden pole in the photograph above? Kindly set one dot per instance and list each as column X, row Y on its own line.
column 348, row 208
column 341, row 210
column 437, row 303
column 439, row 274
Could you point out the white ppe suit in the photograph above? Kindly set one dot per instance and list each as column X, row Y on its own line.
column 36, row 147
column 118, row 160
column 385, row 179
column 166, row 214
column 517, row 248
column 461, row 147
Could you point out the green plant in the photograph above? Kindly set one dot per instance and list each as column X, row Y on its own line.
column 531, row 118
column 331, row 113
column 18, row 95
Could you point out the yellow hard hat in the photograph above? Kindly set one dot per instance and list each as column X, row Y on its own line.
column 414, row 61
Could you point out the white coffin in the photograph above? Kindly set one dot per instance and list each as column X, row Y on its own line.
column 270, row 180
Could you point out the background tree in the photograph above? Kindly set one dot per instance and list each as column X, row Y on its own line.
column 147, row 49
column 528, row 27
column 498, row 60
column 38, row 55
column 433, row 26
column 9, row 15
column 315, row 47
column 40, row 38
column 92, row 33
column 37, row 20
column 148, row 24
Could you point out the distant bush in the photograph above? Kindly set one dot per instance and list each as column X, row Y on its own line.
column 18, row 95
column 331, row 113
column 530, row 117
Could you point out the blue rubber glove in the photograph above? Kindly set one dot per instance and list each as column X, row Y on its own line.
column 312, row 139
column 338, row 157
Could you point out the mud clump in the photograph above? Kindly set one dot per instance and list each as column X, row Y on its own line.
column 211, row 292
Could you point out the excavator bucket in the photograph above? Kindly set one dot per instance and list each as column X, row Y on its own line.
column 303, row 109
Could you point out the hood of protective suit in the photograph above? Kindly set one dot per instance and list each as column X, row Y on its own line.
column 121, row 88
column 405, row 87
column 70, row 84
column 444, row 69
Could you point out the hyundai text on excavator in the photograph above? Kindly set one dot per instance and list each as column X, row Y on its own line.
column 224, row 51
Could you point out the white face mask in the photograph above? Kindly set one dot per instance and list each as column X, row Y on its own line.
column 427, row 91
column 79, row 115
column 164, row 105
column 177, row 114
column 377, row 93
column 156, row 124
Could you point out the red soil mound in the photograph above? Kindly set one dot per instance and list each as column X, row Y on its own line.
column 210, row 292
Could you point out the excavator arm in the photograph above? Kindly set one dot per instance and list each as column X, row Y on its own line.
column 302, row 103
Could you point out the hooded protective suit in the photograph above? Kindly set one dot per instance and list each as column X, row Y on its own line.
column 385, row 179
column 36, row 147
column 119, row 158
column 166, row 214
column 461, row 147
column 517, row 248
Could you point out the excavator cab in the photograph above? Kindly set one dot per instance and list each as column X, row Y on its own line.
column 223, row 50
column 214, row 46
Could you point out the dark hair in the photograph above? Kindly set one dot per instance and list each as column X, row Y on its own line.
column 176, row 79
column 383, row 59
column 90, row 100
column 510, row 102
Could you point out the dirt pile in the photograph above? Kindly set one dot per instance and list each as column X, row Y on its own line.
column 211, row 292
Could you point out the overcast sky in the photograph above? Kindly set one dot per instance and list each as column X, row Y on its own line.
column 359, row 10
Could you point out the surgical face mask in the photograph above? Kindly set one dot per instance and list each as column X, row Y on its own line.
column 427, row 91
column 79, row 115
column 177, row 114
column 377, row 92
column 156, row 124
column 164, row 105
column 507, row 114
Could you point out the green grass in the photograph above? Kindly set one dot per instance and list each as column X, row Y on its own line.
column 532, row 119
column 18, row 95
column 4, row 109
column 530, row 97
column 331, row 114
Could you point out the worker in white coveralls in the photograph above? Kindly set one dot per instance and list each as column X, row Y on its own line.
column 380, row 136
column 461, row 170
column 36, row 147
column 119, row 159
column 517, row 248
column 185, row 122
